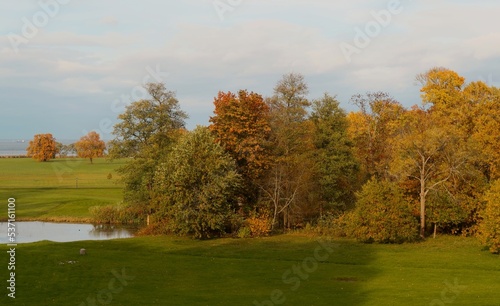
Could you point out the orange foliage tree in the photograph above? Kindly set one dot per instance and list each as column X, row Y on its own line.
column 42, row 147
column 90, row 146
column 241, row 126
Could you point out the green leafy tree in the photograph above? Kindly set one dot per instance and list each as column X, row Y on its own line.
column 65, row 150
column 145, row 133
column 336, row 167
column 490, row 226
column 444, row 210
column 196, row 185
column 288, row 181
column 383, row 214
column 148, row 125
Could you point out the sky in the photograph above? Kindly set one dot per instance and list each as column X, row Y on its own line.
column 68, row 67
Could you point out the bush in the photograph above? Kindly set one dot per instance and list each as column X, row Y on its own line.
column 335, row 225
column 490, row 226
column 160, row 227
column 259, row 225
column 244, row 232
column 383, row 215
column 114, row 214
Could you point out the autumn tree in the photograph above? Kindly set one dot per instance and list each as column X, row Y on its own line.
column 373, row 129
column 486, row 128
column 336, row 167
column 490, row 226
column 470, row 113
column 42, row 147
column 146, row 131
column 195, row 187
column 90, row 146
column 241, row 125
column 448, row 98
column 289, row 177
column 429, row 154
column 441, row 87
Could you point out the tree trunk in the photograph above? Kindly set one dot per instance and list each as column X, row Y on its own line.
column 284, row 219
column 422, row 215
column 435, row 229
column 274, row 216
column 422, row 199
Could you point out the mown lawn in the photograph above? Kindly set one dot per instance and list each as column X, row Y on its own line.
column 61, row 189
column 281, row 270
column 179, row 271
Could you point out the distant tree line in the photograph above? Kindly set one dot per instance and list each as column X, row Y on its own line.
column 44, row 147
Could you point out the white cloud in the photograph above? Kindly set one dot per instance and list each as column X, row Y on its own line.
column 67, row 39
column 98, row 51
column 109, row 20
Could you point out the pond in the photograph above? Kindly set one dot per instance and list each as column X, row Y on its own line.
column 64, row 232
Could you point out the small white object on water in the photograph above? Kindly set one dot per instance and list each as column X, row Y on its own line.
column 83, row 251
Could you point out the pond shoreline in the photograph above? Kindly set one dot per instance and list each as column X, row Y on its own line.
column 52, row 219
column 69, row 220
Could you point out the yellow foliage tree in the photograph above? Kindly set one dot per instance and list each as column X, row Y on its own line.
column 487, row 129
column 442, row 88
column 42, row 147
column 372, row 130
column 90, row 146
column 490, row 227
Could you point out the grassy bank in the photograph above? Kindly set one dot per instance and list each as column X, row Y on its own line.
column 59, row 190
column 175, row 271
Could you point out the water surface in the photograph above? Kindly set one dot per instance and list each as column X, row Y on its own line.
column 64, row 232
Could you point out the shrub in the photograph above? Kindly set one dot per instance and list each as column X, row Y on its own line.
column 490, row 226
column 160, row 227
column 259, row 225
column 244, row 232
column 113, row 214
column 335, row 225
column 104, row 214
column 383, row 215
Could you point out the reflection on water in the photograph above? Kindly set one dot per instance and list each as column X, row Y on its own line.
column 111, row 231
column 65, row 232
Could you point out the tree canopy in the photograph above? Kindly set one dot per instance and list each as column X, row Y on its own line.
column 146, row 132
column 286, row 161
column 194, row 188
column 90, row 146
column 42, row 147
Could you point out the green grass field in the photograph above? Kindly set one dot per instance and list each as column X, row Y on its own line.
column 59, row 190
column 178, row 271
column 292, row 269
